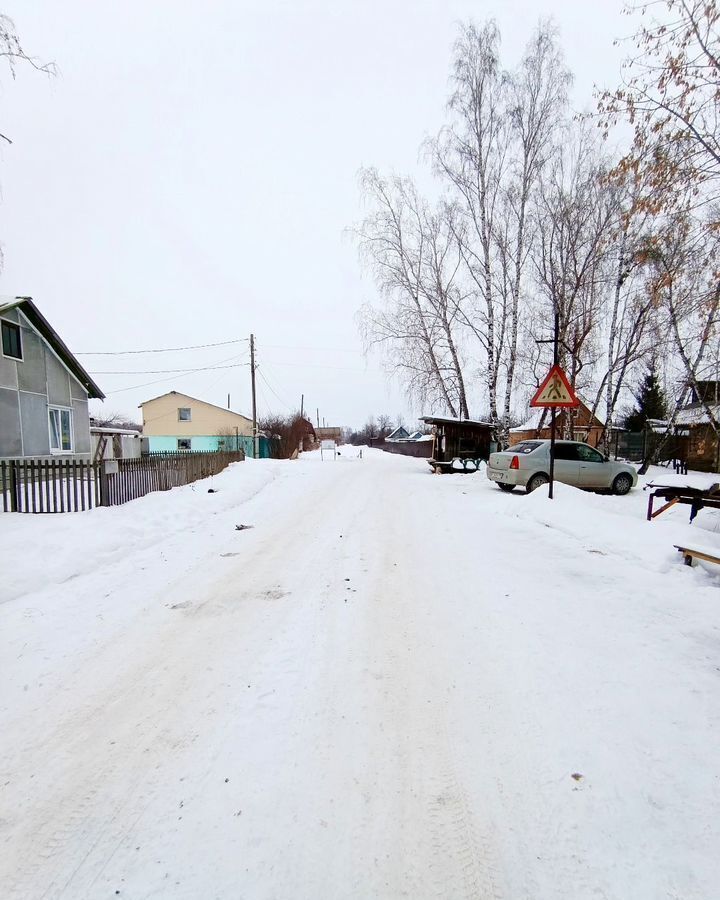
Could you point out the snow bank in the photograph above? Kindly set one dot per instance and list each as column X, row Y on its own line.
column 51, row 549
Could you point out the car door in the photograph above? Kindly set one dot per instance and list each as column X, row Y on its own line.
column 594, row 471
column 567, row 466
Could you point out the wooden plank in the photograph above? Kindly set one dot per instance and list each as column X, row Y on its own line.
column 691, row 554
column 41, row 500
column 74, row 487
column 654, row 515
column 68, row 471
column 53, row 475
column 26, row 489
column 33, row 472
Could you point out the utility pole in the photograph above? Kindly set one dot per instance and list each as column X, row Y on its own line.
column 302, row 406
column 556, row 338
column 317, row 413
column 254, row 405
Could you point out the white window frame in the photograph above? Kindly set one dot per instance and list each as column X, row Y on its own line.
column 20, row 358
column 184, row 449
column 58, row 451
column 189, row 409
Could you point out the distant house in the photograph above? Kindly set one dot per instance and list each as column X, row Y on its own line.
column 44, row 391
column 586, row 426
column 176, row 421
column 400, row 434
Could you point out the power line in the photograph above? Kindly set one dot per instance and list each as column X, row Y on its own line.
column 315, row 349
column 165, row 371
column 181, row 373
column 270, row 388
column 156, row 350
column 317, row 366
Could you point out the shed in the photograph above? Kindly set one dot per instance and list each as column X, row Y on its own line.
column 703, row 447
column 467, row 440
column 115, row 443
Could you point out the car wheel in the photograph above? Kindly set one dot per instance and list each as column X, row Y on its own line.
column 507, row 487
column 536, row 481
column 622, row 484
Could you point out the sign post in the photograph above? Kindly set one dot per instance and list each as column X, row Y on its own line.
column 555, row 392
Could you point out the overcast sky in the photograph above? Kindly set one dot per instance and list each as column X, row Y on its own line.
column 188, row 176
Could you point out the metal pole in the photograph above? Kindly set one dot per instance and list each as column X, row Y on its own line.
column 254, row 405
column 552, row 413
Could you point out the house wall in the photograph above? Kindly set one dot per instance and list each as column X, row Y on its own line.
column 160, row 418
column 702, row 452
column 209, row 443
column 28, row 387
column 590, row 436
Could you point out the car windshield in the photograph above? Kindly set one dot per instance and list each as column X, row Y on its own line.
column 524, row 447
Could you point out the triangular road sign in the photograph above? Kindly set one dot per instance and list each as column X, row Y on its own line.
column 556, row 390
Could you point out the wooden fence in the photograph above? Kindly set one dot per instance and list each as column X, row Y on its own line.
column 160, row 472
column 43, row 486
column 64, row 485
column 421, row 449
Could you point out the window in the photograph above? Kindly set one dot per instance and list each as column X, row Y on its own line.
column 184, row 414
column 11, row 343
column 183, row 443
column 566, row 451
column 60, row 430
column 524, row 447
column 587, row 454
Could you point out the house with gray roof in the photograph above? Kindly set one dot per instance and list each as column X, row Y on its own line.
column 44, row 391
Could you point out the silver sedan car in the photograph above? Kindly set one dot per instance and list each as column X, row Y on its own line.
column 528, row 464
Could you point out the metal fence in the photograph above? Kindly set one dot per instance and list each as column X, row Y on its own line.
column 64, row 485
column 638, row 445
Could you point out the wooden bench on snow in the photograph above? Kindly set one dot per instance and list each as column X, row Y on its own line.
column 690, row 554
column 693, row 495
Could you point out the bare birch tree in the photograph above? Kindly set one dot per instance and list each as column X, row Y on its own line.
column 413, row 253
column 472, row 155
column 575, row 216
column 537, row 98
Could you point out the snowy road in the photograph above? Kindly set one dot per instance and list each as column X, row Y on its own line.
column 393, row 685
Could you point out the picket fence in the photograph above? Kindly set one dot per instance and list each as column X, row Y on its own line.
column 64, row 485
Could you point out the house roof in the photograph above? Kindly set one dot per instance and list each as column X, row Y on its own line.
column 452, row 420
column 97, row 429
column 44, row 328
column 400, row 431
column 535, row 417
column 196, row 399
column 696, row 414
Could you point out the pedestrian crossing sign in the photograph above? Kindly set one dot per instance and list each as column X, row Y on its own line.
column 556, row 390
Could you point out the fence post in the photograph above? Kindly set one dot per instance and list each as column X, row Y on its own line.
column 14, row 492
column 104, row 486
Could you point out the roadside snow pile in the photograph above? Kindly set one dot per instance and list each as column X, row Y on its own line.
column 50, row 549
column 614, row 526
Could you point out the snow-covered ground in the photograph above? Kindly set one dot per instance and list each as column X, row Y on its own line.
column 393, row 685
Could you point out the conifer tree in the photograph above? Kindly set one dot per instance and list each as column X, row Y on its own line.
column 651, row 402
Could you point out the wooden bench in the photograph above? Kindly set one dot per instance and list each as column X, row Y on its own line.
column 689, row 554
